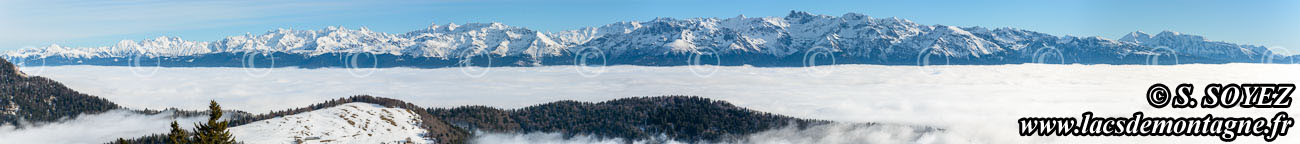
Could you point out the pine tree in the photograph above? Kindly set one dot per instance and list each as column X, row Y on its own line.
column 213, row 132
column 178, row 135
column 122, row 141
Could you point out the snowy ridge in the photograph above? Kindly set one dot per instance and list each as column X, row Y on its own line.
column 347, row 123
column 852, row 35
column 1194, row 44
column 161, row 46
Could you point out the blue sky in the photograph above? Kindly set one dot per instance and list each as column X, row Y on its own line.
column 99, row 23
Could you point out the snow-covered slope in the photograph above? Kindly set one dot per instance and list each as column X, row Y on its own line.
column 858, row 37
column 346, row 123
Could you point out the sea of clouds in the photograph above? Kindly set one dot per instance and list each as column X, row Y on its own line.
column 834, row 133
column 973, row 104
column 95, row 128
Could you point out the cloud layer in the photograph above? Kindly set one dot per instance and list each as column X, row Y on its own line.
column 95, row 128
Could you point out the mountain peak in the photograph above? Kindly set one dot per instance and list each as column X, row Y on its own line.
column 432, row 26
column 277, row 30
column 855, row 16
column 1136, row 37
column 165, row 38
column 1140, row 34
column 1169, row 32
column 663, row 19
column 1178, row 35
column 452, row 26
column 799, row 14
column 497, row 25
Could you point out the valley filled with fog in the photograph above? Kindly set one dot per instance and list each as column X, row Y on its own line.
column 973, row 104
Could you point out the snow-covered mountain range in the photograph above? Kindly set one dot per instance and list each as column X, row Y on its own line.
column 763, row 41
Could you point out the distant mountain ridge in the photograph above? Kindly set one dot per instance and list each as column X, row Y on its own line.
column 792, row 40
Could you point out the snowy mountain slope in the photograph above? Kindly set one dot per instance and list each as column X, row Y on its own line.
column 855, row 38
column 348, row 123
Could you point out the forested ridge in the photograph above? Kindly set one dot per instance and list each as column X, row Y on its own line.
column 682, row 118
column 39, row 100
